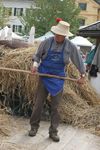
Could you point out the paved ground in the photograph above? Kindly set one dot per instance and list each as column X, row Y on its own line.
column 70, row 138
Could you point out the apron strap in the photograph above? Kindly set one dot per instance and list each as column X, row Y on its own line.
column 51, row 44
column 63, row 45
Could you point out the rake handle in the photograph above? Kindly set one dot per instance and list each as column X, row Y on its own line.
column 39, row 74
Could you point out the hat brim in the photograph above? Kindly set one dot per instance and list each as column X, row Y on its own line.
column 56, row 30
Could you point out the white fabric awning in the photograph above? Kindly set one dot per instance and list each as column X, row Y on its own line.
column 45, row 36
column 4, row 32
column 81, row 41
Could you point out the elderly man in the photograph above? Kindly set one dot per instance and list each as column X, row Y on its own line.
column 51, row 57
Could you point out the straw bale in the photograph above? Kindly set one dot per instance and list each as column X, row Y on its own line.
column 18, row 86
column 85, row 91
column 80, row 105
column 4, row 130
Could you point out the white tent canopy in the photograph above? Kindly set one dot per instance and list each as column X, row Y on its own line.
column 45, row 36
column 81, row 41
column 4, row 34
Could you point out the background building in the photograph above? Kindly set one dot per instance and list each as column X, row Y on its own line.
column 16, row 8
column 90, row 11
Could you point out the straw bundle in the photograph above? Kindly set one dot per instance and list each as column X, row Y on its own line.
column 80, row 105
column 85, row 91
column 16, row 88
column 4, row 131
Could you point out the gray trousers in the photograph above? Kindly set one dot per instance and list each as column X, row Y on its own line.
column 37, row 109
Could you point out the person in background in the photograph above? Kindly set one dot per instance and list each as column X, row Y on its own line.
column 95, row 70
column 96, row 59
column 89, row 58
column 51, row 57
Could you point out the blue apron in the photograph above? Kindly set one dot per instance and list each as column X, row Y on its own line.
column 53, row 64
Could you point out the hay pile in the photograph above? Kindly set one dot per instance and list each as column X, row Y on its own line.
column 15, row 88
column 4, row 131
column 80, row 105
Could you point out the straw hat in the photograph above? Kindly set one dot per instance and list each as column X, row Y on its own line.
column 62, row 28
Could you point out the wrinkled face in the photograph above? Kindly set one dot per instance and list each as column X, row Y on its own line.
column 59, row 38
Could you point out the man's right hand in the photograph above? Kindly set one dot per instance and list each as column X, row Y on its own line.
column 34, row 69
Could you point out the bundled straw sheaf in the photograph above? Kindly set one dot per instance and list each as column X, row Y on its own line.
column 80, row 105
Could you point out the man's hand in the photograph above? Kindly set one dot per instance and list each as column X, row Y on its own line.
column 81, row 80
column 34, row 69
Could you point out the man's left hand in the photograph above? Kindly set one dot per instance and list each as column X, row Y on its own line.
column 81, row 80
